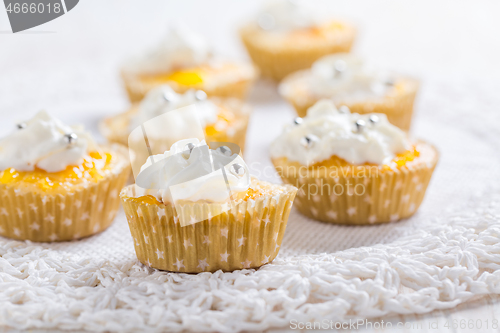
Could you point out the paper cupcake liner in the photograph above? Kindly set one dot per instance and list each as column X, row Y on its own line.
column 399, row 108
column 62, row 217
column 376, row 197
column 278, row 64
column 137, row 89
column 247, row 236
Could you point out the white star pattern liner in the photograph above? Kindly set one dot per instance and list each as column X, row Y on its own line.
column 241, row 241
column 179, row 264
column 224, row 256
column 202, row 264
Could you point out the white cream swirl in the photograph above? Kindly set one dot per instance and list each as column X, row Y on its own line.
column 285, row 16
column 181, row 48
column 345, row 78
column 42, row 142
column 163, row 99
column 193, row 177
column 333, row 133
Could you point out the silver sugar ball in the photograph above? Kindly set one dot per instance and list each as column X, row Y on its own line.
column 360, row 125
column 266, row 21
column 21, row 126
column 200, row 95
column 374, row 119
column 340, row 66
column 70, row 138
column 309, row 140
column 298, row 121
column 344, row 109
column 188, row 148
column 390, row 82
column 224, row 150
column 238, row 170
column 167, row 96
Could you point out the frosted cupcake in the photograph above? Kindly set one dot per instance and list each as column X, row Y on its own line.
column 222, row 119
column 187, row 217
column 56, row 184
column 352, row 168
column 350, row 83
column 184, row 61
column 285, row 37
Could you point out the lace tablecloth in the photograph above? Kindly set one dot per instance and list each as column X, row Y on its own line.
column 446, row 254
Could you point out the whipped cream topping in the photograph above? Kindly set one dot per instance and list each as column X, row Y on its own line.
column 44, row 142
column 181, row 48
column 195, row 176
column 345, row 78
column 332, row 133
column 285, row 16
column 163, row 99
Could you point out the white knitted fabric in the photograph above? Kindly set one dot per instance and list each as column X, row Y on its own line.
column 446, row 254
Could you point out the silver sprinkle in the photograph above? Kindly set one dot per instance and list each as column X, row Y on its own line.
column 309, row 140
column 187, row 150
column 340, row 66
column 360, row 125
column 390, row 82
column 200, row 95
column 344, row 109
column 298, row 121
column 21, row 126
column 224, row 150
column 70, row 138
column 266, row 21
column 373, row 119
column 238, row 170
column 167, row 96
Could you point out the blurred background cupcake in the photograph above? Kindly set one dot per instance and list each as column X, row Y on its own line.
column 222, row 120
column 183, row 60
column 350, row 82
column 286, row 37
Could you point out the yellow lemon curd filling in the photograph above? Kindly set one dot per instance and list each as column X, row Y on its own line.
column 318, row 31
column 196, row 77
column 218, row 129
column 256, row 190
column 188, row 77
column 400, row 160
column 94, row 168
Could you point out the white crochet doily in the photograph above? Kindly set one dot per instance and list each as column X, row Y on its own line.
column 446, row 254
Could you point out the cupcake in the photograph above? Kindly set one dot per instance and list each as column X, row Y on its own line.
column 351, row 168
column 183, row 61
column 196, row 209
column 286, row 37
column 222, row 120
column 350, row 83
column 56, row 184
